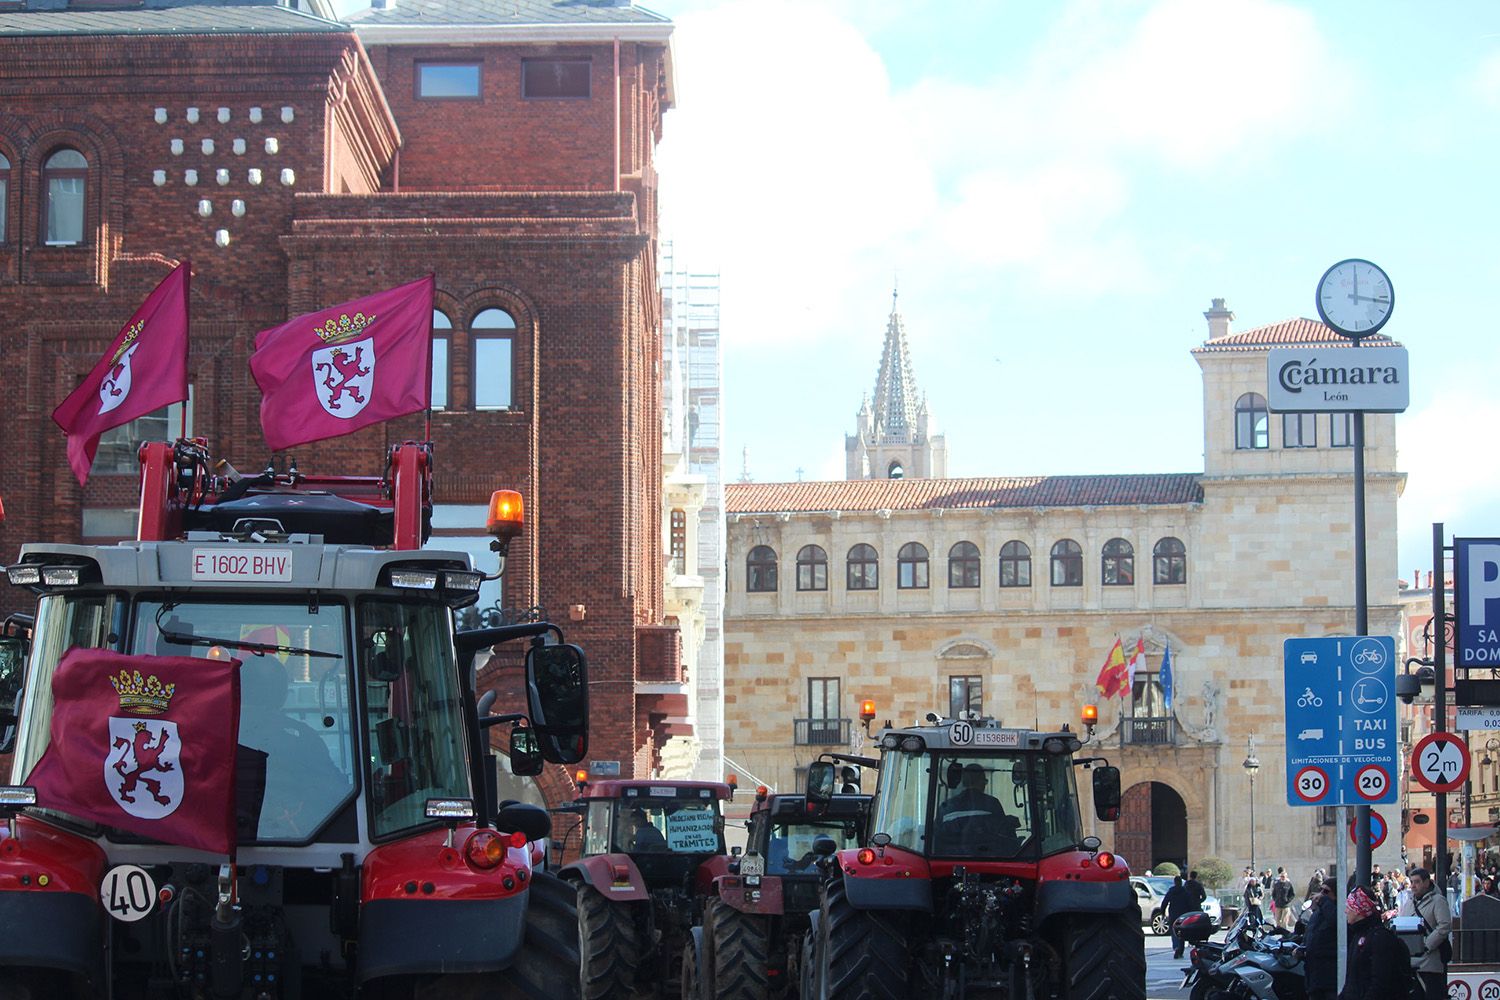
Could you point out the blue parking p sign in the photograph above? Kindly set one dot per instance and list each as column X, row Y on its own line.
column 1341, row 720
column 1476, row 592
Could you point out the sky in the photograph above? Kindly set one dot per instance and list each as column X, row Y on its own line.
column 1059, row 189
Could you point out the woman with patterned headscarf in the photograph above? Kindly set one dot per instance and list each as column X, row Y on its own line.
column 1379, row 964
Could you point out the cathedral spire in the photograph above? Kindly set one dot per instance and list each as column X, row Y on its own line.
column 895, row 388
column 893, row 439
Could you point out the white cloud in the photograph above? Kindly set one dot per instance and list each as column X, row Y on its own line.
column 1446, row 481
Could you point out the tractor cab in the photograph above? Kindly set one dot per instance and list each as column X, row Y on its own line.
column 667, row 828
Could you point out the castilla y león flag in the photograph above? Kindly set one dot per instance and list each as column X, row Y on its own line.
column 144, row 744
column 144, row 369
column 332, row 372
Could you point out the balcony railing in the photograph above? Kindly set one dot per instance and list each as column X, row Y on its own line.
column 820, row 732
column 1148, row 731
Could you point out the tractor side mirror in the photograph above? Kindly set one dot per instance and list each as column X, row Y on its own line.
column 1107, row 793
column 531, row 820
column 824, row 846
column 557, row 695
column 12, row 676
column 525, row 754
column 820, row 781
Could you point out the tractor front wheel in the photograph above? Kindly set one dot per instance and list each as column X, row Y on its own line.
column 1104, row 957
column 861, row 953
column 609, row 946
column 551, row 941
column 740, row 952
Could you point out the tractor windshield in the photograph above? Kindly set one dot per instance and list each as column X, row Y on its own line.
column 790, row 848
column 669, row 826
column 992, row 806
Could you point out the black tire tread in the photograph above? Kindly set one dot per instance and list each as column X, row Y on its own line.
column 1105, row 957
column 864, row 952
column 740, row 952
column 609, row 946
column 550, row 946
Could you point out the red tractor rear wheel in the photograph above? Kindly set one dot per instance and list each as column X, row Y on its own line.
column 740, row 952
column 1104, row 957
column 609, row 946
column 551, row 942
column 861, row 953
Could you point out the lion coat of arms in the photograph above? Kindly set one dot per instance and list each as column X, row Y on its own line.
column 344, row 374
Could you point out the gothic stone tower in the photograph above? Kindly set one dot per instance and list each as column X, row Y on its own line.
column 893, row 439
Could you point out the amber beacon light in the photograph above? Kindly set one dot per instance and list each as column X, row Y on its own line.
column 507, row 514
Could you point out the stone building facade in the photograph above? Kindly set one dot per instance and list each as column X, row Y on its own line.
column 300, row 161
column 1005, row 595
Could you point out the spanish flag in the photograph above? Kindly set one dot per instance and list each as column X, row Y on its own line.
column 1113, row 677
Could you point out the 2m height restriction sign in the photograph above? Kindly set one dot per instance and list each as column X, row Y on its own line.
column 1440, row 762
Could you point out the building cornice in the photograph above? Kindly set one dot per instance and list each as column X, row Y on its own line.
column 518, row 34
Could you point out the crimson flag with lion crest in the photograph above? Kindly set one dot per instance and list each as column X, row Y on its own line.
column 145, row 744
column 334, row 371
column 145, row 368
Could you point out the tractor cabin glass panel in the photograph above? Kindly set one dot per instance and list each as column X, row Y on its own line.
column 680, row 821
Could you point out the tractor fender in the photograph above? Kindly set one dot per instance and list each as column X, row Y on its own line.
column 602, row 872
column 764, row 898
column 423, row 935
column 1059, row 896
column 53, row 930
column 888, row 893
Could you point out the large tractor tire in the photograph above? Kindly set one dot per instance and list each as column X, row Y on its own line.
column 740, row 951
column 609, row 946
column 551, row 942
column 1104, row 957
column 861, row 953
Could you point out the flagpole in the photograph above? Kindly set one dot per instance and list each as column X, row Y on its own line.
column 187, row 308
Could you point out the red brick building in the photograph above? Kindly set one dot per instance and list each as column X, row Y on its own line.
column 298, row 162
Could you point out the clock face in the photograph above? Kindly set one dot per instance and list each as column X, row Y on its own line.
column 1355, row 298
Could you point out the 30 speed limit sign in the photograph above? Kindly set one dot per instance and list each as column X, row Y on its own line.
column 1440, row 762
column 1311, row 783
column 1371, row 782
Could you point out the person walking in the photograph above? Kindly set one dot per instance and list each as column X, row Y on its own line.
column 1378, row 963
column 1437, row 923
column 1253, row 896
column 1178, row 902
column 1321, row 942
column 1314, row 885
column 1282, row 894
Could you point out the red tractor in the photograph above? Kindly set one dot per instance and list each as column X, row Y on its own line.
column 650, row 852
column 977, row 875
column 371, row 857
column 755, row 921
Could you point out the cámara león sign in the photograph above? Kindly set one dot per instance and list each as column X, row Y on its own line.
column 1337, row 379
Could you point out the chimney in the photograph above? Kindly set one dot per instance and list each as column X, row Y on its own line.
column 1218, row 320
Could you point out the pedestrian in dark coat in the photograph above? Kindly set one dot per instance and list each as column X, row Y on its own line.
column 1379, row 964
column 1321, row 941
column 1178, row 902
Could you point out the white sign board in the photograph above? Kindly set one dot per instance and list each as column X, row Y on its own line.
column 691, row 831
column 1337, row 379
column 1473, row 718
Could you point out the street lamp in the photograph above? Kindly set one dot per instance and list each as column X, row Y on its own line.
column 1251, row 765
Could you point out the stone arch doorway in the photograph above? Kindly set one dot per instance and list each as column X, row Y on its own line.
column 1152, row 827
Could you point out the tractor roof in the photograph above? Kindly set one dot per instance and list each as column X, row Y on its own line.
column 790, row 807
column 635, row 788
column 980, row 736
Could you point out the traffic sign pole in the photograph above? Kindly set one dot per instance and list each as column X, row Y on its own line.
column 1362, row 849
column 1440, row 686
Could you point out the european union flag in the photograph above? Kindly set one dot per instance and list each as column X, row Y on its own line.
column 1164, row 676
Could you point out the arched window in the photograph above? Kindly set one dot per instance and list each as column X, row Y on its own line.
column 911, row 567
column 963, row 566
column 896, row 471
column 1118, row 569
column 1169, row 561
column 442, row 339
column 1015, row 565
column 812, row 568
column 760, row 570
column 863, row 568
column 64, row 178
column 4, row 195
column 1252, row 422
column 1067, row 564
column 493, row 332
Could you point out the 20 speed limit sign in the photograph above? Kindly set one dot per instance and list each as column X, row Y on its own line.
column 1440, row 762
column 1371, row 782
column 1311, row 783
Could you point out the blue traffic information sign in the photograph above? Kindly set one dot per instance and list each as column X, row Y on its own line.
column 1476, row 599
column 1340, row 720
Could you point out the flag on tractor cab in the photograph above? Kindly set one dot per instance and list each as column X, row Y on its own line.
column 1111, row 680
column 332, row 372
column 1137, row 662
column 144, row 369
column 1164, row 676
column 144, row 744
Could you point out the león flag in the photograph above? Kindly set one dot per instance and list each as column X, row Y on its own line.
column 1111, row 681
column 144, row 744
column 144, row 369
column 334, row 371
